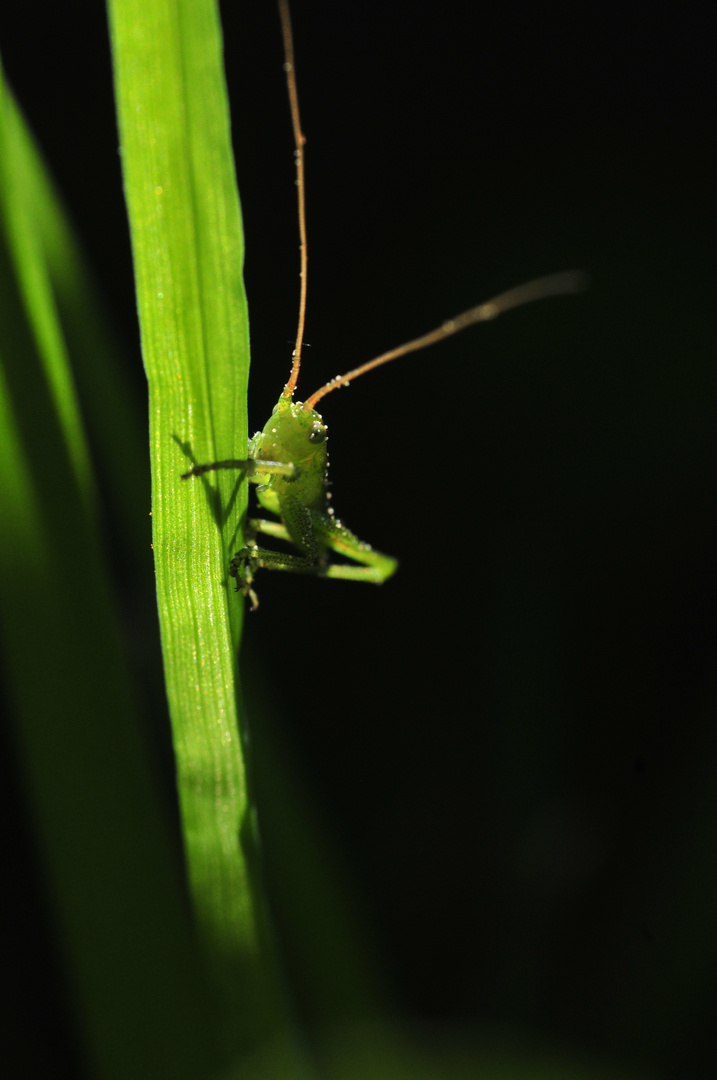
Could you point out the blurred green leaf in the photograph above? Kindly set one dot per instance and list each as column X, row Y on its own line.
column 116, row 891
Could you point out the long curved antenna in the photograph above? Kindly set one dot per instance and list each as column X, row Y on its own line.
column 299, row 141
column 570, row 281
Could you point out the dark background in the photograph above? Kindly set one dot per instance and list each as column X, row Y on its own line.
column 513, row 741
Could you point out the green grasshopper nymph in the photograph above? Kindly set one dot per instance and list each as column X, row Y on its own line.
column 288, row 458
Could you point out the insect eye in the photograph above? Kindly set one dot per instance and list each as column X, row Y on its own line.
column 317, row 433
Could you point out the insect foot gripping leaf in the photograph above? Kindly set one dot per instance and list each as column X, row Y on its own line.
column 288, row 459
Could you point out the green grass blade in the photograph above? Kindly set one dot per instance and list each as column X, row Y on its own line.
column 109, row 408
column 188, row 251
column 115, row 893
column 27, row 260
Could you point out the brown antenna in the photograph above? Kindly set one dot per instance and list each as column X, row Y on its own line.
column 570, row 281
column 299, row 141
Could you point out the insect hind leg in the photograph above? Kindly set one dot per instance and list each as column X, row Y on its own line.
column 327, row 534
column 375, row 567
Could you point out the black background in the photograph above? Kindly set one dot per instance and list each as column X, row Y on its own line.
column 513, row 741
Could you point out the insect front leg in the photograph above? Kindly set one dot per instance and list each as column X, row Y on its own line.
column 253, row 467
